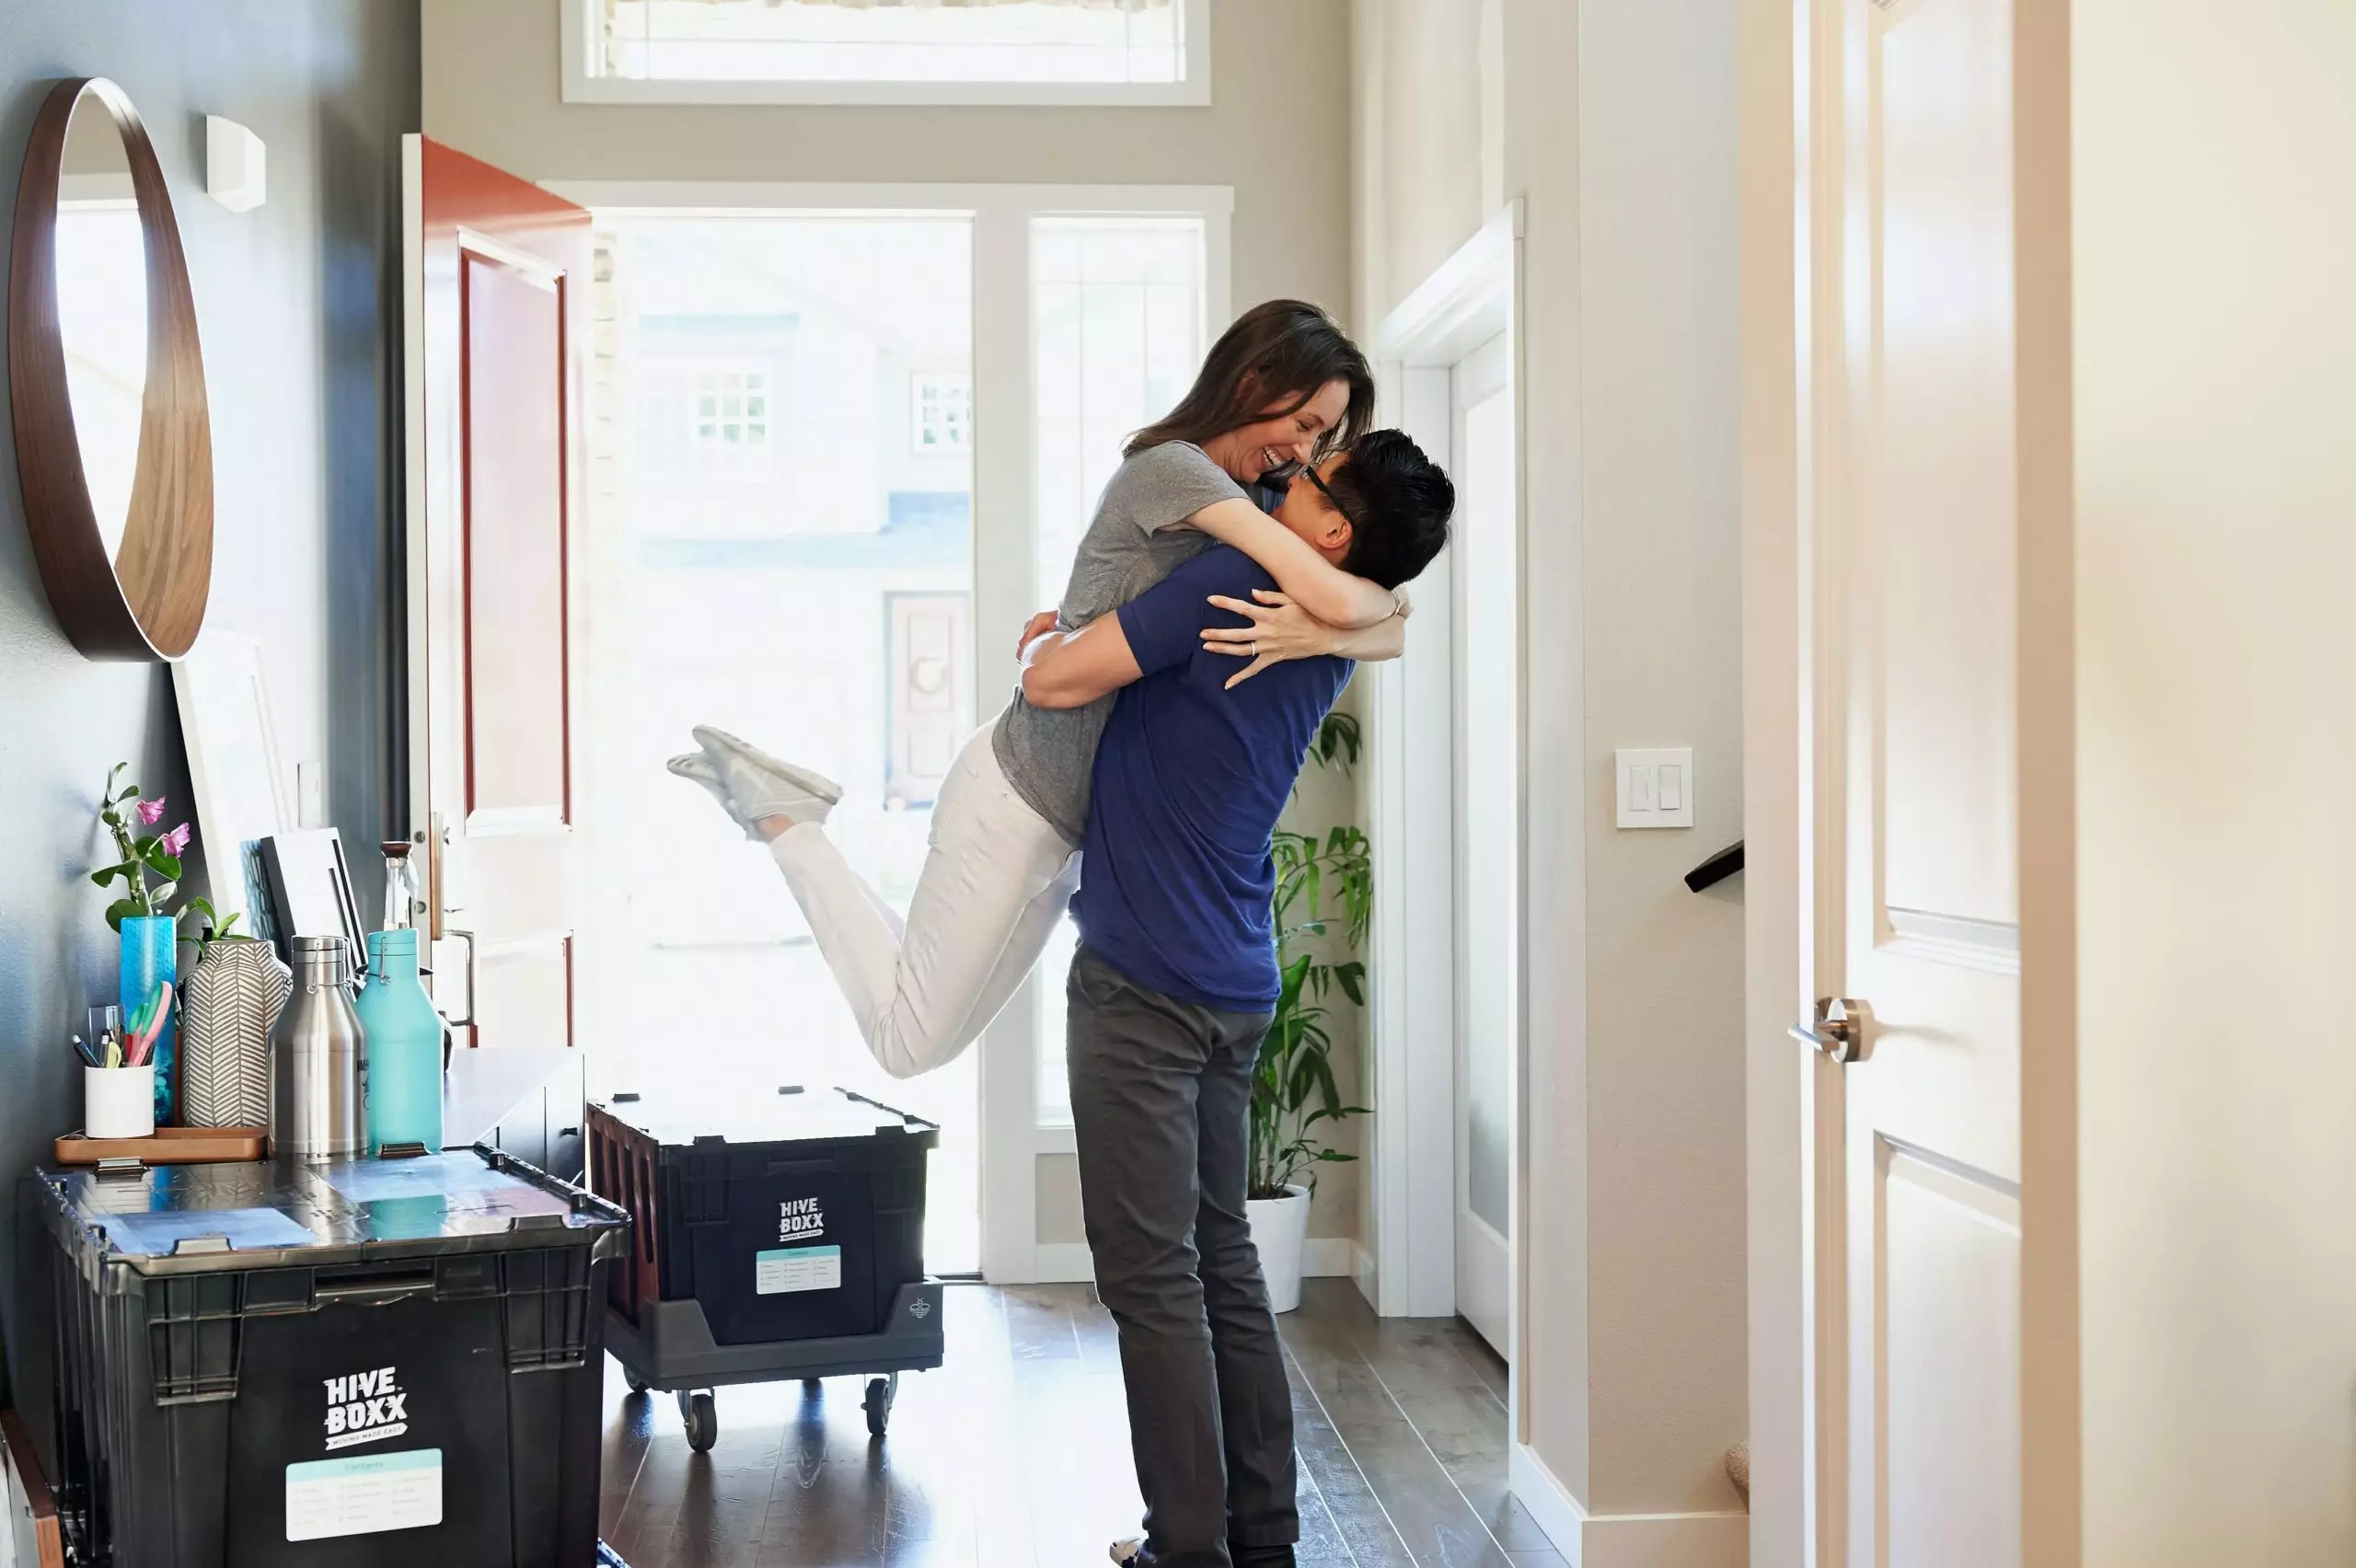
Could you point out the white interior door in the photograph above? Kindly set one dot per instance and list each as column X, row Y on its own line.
column 1487, row 764
column 1917, row 862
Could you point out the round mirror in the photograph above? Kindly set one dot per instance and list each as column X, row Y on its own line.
column 113, row 440
column 102, row 311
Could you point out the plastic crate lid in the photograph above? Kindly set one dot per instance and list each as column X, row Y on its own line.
column 276, row 1211
column 762, row 1113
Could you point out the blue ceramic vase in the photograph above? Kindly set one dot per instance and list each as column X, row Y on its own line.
column 150, row 958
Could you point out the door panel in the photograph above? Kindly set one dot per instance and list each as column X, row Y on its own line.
column 1919, row 834
column 496, row 273
column 1951, row 1278
column 1487, row 707
column 517, row 652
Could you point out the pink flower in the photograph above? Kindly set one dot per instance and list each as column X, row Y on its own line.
column 176, row 841
column 152, row 812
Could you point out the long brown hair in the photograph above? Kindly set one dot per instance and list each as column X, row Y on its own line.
column 1279, row 353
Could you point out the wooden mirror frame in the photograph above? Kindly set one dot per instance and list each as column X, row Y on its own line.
column 151, row 606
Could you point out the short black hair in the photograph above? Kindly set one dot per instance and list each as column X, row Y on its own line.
column 1398, row 501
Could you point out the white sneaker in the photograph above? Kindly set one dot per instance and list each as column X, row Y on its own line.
column 698, row 767
column 782, row 777
column 753, row 786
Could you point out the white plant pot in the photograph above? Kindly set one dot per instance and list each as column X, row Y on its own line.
column 119, row 1102
column 1280, row 1229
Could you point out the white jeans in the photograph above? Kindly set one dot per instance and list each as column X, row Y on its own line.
column 997, row 877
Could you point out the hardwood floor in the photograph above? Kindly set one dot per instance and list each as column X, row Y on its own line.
column 1015, row 1454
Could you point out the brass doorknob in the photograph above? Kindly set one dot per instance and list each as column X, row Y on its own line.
column 1842, row 1030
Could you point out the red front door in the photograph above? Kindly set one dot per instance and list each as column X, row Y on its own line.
column 497, row 303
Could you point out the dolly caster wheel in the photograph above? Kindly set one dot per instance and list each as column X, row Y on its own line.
column 881, row 1392
column 638, row 1385
column 702, row 1420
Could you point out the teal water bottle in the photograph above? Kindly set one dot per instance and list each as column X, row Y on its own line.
column 404, row 1048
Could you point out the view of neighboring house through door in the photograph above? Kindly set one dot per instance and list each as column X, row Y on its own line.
column 845, row 443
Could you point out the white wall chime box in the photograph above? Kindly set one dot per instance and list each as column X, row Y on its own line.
column 236, row 165
column 1655, row 787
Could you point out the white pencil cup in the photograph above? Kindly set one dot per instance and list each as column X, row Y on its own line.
column 119, row 1102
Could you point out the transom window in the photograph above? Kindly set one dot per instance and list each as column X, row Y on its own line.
column 1016, row 51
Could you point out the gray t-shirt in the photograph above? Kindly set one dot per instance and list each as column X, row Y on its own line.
column 1048, row 754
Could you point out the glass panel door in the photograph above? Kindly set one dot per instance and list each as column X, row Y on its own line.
column 1117, row 320
column 788, row 545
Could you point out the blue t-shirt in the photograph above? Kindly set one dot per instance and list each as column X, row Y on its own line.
column 1176, row 877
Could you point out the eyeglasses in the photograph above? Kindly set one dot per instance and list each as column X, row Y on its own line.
column 1309, row 471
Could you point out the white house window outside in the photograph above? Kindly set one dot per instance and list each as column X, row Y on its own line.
column 732, row 408
column 703, row 420
column 888, row 51
column 943, row 422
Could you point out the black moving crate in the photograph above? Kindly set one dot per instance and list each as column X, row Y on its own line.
column 355, row 1362
column 776, row 1234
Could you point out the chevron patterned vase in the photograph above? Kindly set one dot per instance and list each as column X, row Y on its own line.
column 233, row 998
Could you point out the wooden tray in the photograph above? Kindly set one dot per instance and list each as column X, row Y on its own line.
column 170, row 1146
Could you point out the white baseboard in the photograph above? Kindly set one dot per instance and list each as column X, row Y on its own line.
column 1667, row 1540
column 1328, row 1257
column 1064, row 1262
column 1624, row 1540
column 1363, row 1271
column 1549, row 1504
column 1325, row 1257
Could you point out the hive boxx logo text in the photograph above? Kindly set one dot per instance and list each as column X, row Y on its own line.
column 366, row 1407
column 800, row 1219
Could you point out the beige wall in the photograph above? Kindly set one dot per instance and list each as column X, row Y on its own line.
column 1614, row 122
column 1277, row 133
column 2215, row 326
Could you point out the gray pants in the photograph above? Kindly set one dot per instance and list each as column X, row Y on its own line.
column 1161, row 1099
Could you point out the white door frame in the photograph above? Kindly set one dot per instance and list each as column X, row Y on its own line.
column 1778, row 605
column 1471, row 297
column 1004, row 572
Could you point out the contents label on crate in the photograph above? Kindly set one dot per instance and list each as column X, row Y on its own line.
column 364, row 1494
column 797, row 1268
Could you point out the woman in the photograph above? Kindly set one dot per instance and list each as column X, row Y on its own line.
column 1281, row 387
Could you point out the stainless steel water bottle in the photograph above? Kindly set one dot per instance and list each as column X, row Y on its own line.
column 318, row 1057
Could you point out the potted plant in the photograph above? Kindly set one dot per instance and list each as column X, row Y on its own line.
column 148, row 932
column 1293, row 1091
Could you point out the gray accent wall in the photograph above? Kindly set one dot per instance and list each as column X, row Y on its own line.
column 298, row 303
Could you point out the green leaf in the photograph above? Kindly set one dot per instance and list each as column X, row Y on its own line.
column 162, row 861
column 1351, row 978
column 103, row 877
column 121, row 910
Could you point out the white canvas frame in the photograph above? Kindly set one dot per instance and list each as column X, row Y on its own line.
column 222, row 690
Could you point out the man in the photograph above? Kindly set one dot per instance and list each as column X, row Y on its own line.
column 1174, row 984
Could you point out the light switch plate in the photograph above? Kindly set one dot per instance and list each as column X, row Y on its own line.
column 1655, row 787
